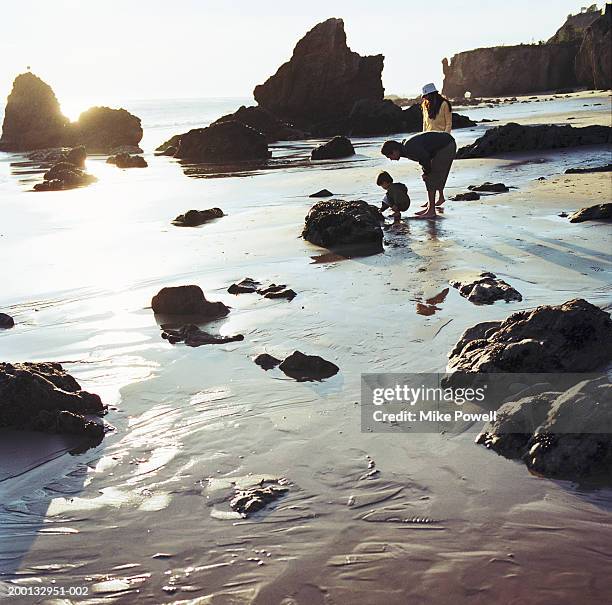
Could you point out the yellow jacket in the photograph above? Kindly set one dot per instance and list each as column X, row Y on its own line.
column 443, row 122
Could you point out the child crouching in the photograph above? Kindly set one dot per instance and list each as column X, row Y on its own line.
column 396, row 198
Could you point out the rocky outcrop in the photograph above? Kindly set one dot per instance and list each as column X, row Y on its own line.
column 575, row 26
column 220, row 142
column 43, row 397
column 594, row 59
column 33, row 120
column 338, row 147
column 605, row 168
column 6, row 321
column 573, row 337
column 125, row 160
column 599, row 212
column 490, row 188
column 338, row 223
column 486, row 289
column 192, row 336
column 370, row 117
column 64, row 175
column 308, row 367
column 514, row 137
column 323, row 79
column 263, row 121
column 557, row 434
column 186, row 300
column 194, row 218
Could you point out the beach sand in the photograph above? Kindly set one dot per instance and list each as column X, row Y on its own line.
column 442, row 521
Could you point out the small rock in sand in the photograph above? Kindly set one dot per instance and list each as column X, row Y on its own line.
column 6, row 321
column 186, row 300
column 251, row 500
column 125, row 160
column 267, row 362
column 277, row 291
column 338, row 147
column 308, row 367
column 322, row 193
column 599, row 212
column 193, row 218
column 468, row 196
column 605, row 168
column 490, row 188
column 245, row 286
column 192, row 336
column 486, row 289
column 563, row 214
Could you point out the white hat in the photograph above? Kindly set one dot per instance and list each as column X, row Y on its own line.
column 429, row 88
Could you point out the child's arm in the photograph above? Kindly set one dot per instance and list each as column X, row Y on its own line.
column 385, row 203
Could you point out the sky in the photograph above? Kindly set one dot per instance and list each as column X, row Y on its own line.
column 100, row 52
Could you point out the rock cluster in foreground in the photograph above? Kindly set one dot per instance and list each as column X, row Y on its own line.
column 43, row 397
column 337, row 223
column 299, row 366
column 64, row 175
column 575, row 336
column 599, row 212
column 557, row 434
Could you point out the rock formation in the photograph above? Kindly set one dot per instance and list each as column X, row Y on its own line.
column 125, row 160
column 594, row 59
column 514, row 137
column 468, row 196
column 322, row 193
column 599, row 212
column 186, row 300
column 486, row 289
column 266, row 361
column 6, row 321
column 308, row 367
column 338, row 147
column 490, row 188
column 33, row 120
column 338, row 223
column 247, row 501
column 219, row 142
column 323, row 79
column 248, row 285
column 604, row 168
column 557, row 434
column 194, row 218
column 64, row 175
column 43, row 397
column 573, row 337
column 263, row 121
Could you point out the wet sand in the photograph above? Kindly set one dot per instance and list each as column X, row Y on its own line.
column 442, row 521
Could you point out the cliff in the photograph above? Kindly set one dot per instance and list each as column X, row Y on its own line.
column 594, row 59
column 574, row 28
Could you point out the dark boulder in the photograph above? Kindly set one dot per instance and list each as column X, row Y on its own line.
column 222, row 142
column 192, row 336
column 323, row 78
column 337, row 223
column 468, row 196
column 125, row 160
column 490, row 188
column 277, row 291
column 573, row 337
column 101, row 129
column 267, row 362
column 514, row 137
column 186, row 300
column 6, row 321
column 77, row 156
column 263, row 121
column 322, row 193
column 461, row 121
column 64, row 175
column 605, row 168
column 564, row 435
column 308, row 367
column 486, row 289
column 370, row 117
column 43, row 397
column 599, row 212
column 247, row 501
column 193, row 218
column 170, row 146
column 338, row 147
column 245, row 286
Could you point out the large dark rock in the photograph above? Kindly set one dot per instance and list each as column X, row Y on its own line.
column 193, row 218
column 263, row 121
column 186, row 300
column 220, row 142
column 490, row 188
column 338, row 223
column 308, row 367
column 370, row 117
column 6, row 321
column 573, row 337
column 594, row 59
column 64, row 175
column 558, row 434
column 323, row 78
column 43, row 397
column 600, row 212
column 514, row 137
column 32, row 118
column 338, row 147
column 101, row 129
column 125, row 160
column 266, row 361
column 486, row 289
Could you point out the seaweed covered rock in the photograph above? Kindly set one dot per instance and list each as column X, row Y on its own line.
column 192, row 336
column 599, row 212
column 102, row 129
column 486, row 289
column 220, row 142
column 561, row 434
column 186, row 300
column 43, row 397
column 193, row 218
column 64, row 175
column 126, row 160
column 468, row 196
column 336, row 223
column 247, row 501
column 575, row 336
column 338, row 147
column 514, row 137
column 308, row 367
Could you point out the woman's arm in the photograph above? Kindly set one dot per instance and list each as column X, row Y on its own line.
column 448, row 117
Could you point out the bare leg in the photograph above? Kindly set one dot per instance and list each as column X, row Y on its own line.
column 430, row 211
column 441, row 198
